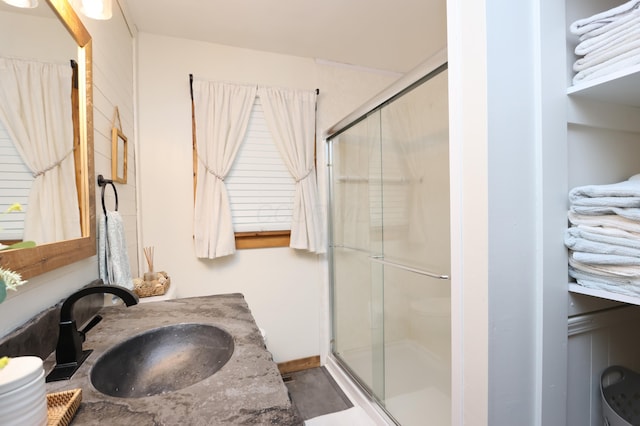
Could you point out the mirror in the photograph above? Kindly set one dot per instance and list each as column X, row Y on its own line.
column 118, row 152
column 42, row 258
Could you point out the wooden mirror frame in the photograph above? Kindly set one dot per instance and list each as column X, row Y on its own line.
column 30, row 262
column 118, row 156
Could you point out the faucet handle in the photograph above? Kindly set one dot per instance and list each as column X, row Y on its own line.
column 94, row 321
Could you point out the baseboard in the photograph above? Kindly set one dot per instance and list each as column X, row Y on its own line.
column 299, row 364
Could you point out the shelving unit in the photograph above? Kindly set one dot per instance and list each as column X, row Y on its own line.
column 605, row 108
column 603, row 147
column 621, row 87
column 604, row 294
column 620, row 90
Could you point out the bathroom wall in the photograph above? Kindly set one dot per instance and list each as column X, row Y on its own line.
column 113, row 85
column 285, row 289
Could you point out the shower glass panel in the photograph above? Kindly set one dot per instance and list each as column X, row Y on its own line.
column 357, row 209
column 391, row 253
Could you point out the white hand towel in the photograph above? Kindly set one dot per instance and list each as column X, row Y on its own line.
column 113, row 257
column 611, row 26
column 585, row 25
column 604, row 231
column 607, row 54
column 609, row 284
column 606, row 270
column 609, row 279
column 622, row 202
column 610, row 36
column 578, row 244
column 586, row 233
column 627, row 188
column 619, row 63
column 630, row 213
column 605, row 259
column 605, row 221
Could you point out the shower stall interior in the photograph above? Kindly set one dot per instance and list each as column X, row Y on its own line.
column 390, row 250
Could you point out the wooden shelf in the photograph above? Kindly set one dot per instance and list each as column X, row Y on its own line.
column 604, row 294
column 621, row 87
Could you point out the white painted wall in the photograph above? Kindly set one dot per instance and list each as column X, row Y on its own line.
column 113, row 85
column 285, row 289
column 468, row 140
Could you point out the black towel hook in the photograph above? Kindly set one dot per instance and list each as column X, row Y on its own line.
column 102, row 182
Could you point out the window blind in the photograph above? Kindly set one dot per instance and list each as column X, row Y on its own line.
column 15, row 185
column 259, row 186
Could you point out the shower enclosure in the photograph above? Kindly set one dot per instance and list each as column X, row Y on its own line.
column 390, row 250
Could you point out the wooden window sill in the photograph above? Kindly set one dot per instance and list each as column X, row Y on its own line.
column 265, row 239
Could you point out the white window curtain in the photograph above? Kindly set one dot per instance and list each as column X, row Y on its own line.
column 290, row 115
column 222, row 114
column 35, row 105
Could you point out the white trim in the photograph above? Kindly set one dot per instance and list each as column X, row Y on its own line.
column 602, row 319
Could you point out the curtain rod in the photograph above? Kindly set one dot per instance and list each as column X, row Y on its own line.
column 191, row 86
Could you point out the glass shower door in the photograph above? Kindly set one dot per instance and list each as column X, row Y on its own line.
column 416, row 261
column 390, row 253
column 357, row 290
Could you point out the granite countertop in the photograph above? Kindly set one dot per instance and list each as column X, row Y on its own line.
column 247, row 390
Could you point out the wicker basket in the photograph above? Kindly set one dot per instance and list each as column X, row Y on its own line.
column 621, row 398
column 155, row 287
column 62, row 406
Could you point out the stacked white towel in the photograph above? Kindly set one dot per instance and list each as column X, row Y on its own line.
column 609, row 41
column 604, row 236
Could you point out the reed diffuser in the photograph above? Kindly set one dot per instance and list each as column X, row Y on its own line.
column 148, row 255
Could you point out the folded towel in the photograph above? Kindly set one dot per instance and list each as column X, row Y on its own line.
column 622, row 202
column 629, row 213
column 627, row 188
column 611, row 35
column 608, row 279
column 605, row 283
column 608, row 53
column 593, row 235
column 605, row 221
column 606, row 270
column 605, row 259
column 582, row 26
column 578, row 244
column 113, row 258
column 610, row 27
column 604, row 231
column 618, row 63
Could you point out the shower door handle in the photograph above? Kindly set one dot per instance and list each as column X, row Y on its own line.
column 381, row 260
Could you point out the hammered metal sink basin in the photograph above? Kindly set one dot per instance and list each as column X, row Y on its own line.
column 162, row 360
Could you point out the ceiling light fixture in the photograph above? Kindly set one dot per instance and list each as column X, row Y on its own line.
column 96, row 9
column 22, row 3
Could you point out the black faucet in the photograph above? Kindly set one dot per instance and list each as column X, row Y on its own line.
column 69, row 353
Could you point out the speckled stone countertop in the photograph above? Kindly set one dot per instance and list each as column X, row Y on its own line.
column 247, row 390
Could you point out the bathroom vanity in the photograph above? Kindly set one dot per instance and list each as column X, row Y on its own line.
column 248, row 389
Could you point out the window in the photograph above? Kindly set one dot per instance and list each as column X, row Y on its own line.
column 16, row 180
column 258, row 205
column 260, row 188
